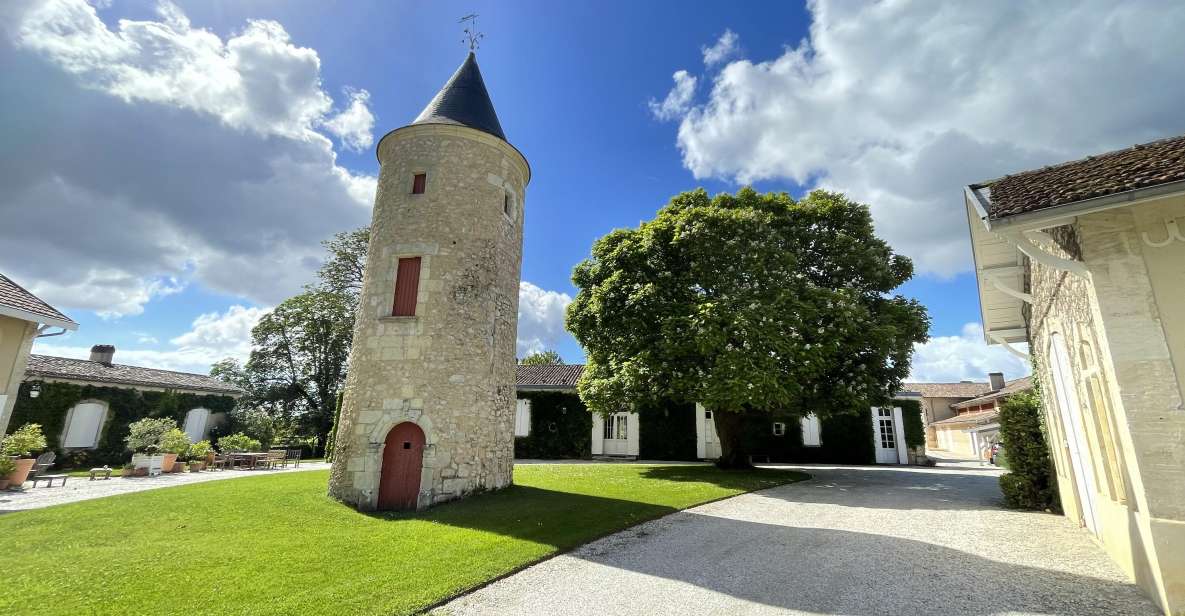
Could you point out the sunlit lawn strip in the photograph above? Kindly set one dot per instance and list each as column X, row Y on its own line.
column 276, row 544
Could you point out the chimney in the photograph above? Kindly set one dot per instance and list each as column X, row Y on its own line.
column 997, row 380
column 103, row 353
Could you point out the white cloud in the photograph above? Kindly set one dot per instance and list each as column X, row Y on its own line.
column 726, row 47
column 211, row 337
column 900, row 104
column 355, row 125
column 154, row 154
column 678, row 100
column 949, row 359
column 540, row 318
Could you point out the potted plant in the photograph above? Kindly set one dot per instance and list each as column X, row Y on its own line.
column 7, row 466
column 174, row 443
column 238, row 442
column 129, row 469
column 197, row 455
column 20, row 446
column 144, row 437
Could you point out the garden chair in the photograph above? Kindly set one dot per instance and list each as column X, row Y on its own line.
column 216, row 461
column 42, row 464
column 293, row 456
column 277, row 458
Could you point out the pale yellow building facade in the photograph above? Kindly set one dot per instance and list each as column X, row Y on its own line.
column 1096, row 286
column 23, row 317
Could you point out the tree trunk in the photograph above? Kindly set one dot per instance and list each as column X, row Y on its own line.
column 729, row 429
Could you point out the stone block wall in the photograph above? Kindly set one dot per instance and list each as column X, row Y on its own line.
column 1129, row 390
column 451, row 367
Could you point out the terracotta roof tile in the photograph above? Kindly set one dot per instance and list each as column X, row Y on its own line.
column 948, row 390
column 1011, row 387
column 47, row 366
column 1139, row 166
column 550, row 377
column 15, row 296
column 972, row 419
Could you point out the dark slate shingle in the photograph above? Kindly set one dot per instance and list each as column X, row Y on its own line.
column 464, row 101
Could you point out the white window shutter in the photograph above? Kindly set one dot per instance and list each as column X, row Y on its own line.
column 86, row 419
column 522, row 418
column 811, row 436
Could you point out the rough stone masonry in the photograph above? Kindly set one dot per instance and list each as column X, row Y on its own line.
column 449, row 368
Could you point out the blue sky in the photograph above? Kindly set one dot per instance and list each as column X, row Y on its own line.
column 212, row 144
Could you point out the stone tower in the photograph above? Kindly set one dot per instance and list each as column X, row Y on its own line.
column 428, row 410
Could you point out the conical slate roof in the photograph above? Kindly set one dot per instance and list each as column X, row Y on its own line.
column 465, row 101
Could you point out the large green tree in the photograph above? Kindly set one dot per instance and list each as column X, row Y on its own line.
column 542, row 358
column 748, row 303
column 299, row 354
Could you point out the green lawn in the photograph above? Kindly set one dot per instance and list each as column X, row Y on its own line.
column 277, row 545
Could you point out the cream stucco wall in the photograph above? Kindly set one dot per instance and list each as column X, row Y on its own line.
column 451, row 368
column 936, row 409
column 1123, row 328
column 16, row 339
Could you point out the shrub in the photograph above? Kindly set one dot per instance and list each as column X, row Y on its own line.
column 199, row 450
column 1030, row 482
column 238, row 442
column 7, row 466
column 144, row 436
column 25, row 440
column 174, row 441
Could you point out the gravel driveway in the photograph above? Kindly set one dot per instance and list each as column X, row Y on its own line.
column 852, row 540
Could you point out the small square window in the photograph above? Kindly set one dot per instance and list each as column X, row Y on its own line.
column 418, row 183
column 779, row 428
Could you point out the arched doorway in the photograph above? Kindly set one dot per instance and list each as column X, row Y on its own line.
column 403, row 459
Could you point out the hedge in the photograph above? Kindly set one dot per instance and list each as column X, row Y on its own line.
column 1030, row 482
column 560, row 427
column 911, row 417
column 123, row 407
column 667, row 432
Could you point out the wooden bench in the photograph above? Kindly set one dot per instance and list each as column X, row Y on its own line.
column 48, row 479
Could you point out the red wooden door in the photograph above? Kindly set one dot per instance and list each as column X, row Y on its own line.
column 403, row 459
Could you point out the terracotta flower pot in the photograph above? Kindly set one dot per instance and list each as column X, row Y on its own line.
column 23, row 466
column 169, row 465
column 195, row 467
column 3, row 483
column 140, row 472
column 127, row 472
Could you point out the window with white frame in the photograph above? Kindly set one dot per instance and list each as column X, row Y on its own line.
column 522, row 418
column 83, row 425
column 195, row 424
column 779, row 428
column 616, row 427
column 810, row 431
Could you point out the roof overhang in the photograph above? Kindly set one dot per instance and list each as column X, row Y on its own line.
column 999, row 260
column 33, row 317
column 999, row 266
column 571, row 388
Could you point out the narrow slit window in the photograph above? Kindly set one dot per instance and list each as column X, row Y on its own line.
column 506, row 205
column 407, row 285
column 418, row 182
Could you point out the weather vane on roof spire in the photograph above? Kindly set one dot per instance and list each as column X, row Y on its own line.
column 472, row 36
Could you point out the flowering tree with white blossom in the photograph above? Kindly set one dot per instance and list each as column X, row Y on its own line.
column 749, row 304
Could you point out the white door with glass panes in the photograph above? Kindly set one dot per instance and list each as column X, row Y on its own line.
column 616, row 434
column 885, row 434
